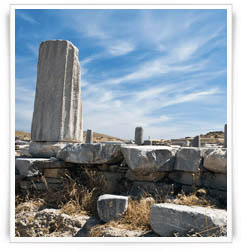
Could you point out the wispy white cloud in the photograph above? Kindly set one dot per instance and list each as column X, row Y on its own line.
column 168, row 74
column 154, row 68
column 28, row 18
column 190, row 97
column 120, row 48
column 24, row 103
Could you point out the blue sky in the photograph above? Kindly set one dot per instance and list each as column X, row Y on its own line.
column 165, row 70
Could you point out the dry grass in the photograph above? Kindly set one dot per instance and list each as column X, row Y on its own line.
column 137, row 217
column 193, row 199
column 22, row 135
column 74, row 198
column 26, row 205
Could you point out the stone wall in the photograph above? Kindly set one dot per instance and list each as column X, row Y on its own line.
column 130, row 169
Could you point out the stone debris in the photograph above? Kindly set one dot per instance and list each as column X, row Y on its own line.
column 96, row 153
column 118, row 232
column 111, row 207
column 47, row 223
column 167, row 219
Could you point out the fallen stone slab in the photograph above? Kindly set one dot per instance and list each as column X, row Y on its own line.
column 111, row 207
column 188, row 159
column 96, row 153
column 145, row 160
column 45, row 149
column 29, row 167
column 167, row 219
column 216, row 160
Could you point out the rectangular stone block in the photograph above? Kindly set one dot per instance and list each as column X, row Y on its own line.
column 29, row 167
column 186, row 178
column 188, row 159
column 57, row 109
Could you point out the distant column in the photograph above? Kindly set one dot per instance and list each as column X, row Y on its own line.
column 196, row 142
column 57, row 109
column 187, row 143
column 89, row 136
column 139, row 135
column 225, row 135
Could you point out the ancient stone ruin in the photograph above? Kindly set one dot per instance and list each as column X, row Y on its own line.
column 130, row 171
column 57, row 117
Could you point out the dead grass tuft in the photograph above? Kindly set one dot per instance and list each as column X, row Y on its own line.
column 75, row 198
column 137, row 217
column 29, row 205
column 193, row 199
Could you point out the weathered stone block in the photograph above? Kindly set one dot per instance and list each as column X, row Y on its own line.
column 148, row 159
column 45, row 149
column 214, row 180
column 111, row 207
column 57, row 109
column 96, row 153
column 216, row 161
column 166, row 219
column 187, row 178
column 29, row 167
column 188, row 159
